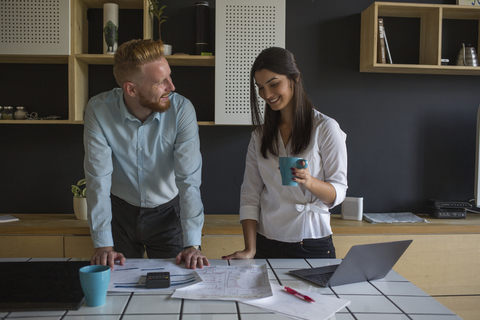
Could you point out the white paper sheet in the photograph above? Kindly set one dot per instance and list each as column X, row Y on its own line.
column 287, row 304
column 393, row 217
column 229, row 283
column 132, row 276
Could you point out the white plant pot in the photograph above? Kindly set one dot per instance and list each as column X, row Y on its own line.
column 80, row 208
column 167, row 49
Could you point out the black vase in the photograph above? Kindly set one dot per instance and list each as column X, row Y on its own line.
column 202, row 22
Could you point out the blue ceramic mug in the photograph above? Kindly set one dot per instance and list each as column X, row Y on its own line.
column 94, row 281
column 286, row 165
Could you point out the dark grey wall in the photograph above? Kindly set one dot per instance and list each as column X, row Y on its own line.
column 410, row 137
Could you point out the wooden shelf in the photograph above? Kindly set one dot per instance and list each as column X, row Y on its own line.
column 43, row 59
column 431, row 18
column 35, row 121
column 101, row 59
column 173, row 60
column 206, row 123
column 124, row 4
column 422, row 69
column 191, row 60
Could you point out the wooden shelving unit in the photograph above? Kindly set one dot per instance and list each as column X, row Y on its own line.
column 431, row 20
column 79, row 59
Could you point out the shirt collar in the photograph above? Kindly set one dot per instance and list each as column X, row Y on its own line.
column 125, row 114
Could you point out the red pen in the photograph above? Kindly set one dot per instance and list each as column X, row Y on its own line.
column 299, row 295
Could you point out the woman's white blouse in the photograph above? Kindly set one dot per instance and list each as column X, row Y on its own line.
column 291, row 214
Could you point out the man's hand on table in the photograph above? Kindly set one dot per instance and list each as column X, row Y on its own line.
column 193, row 258
column 107, row 256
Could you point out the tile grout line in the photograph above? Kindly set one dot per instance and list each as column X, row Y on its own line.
column 383, row 294
column 239, row 316
column 64, row 315
column 181, row 310
column 308, row 263
column 126, row 306
column 274, row 272
column 346, row 307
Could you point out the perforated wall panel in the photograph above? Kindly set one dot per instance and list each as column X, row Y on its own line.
column 35, row 27
column 243, row 29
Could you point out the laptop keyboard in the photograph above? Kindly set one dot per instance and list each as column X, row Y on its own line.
column 321, row 278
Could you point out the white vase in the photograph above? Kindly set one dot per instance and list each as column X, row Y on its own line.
column 80, row 208
column 110, row 28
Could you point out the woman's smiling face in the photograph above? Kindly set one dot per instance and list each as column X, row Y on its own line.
column 275, row 89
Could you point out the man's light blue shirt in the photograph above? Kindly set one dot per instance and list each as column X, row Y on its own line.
column 146, row 164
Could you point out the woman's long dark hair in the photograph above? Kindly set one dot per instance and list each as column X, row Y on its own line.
column 281, row 61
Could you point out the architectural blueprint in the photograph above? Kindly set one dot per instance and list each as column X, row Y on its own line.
column 229, row 283
column 131, row 277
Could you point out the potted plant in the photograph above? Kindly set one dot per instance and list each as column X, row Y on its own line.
column 157, row 10
column 80, row 200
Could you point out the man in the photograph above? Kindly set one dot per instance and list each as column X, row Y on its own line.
column 143, row 164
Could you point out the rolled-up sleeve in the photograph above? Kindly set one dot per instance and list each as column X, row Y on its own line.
column 252, row 185
column 333, row 151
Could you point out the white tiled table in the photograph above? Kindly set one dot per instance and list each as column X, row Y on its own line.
column 391, row 298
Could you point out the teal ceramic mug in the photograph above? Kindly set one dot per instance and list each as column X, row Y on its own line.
column 286, row 165
column 94, row 281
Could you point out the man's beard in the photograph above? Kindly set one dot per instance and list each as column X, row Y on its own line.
column 154, row 106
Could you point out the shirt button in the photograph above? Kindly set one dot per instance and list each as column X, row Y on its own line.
column 140, row 149
column 140, row 169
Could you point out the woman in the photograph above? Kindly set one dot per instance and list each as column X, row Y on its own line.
column 283, row 221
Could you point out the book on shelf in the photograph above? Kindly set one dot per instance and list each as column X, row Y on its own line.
column 381, row 58
column 387, row 48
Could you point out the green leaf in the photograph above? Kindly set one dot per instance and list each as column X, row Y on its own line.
column 156, row 10
column 154, row 13
column 76, row 190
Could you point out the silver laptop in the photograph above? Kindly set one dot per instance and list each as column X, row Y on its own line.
column 362, row 262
